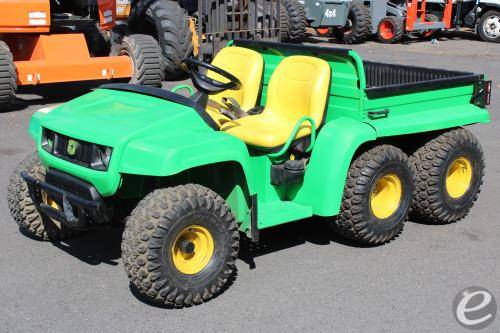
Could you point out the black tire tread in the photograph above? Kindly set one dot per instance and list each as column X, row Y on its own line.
column 427, row 205
column 8, row 75
column 157, row 210
column 145, row 54
column 293, row 21
column 23, row 209
column 361, row 30
column 174, row 36
column 350, row 222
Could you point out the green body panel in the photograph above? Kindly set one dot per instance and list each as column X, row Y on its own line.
column 327, row 170
column 156, row 138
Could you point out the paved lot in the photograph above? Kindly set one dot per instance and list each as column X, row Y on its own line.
column 305, row 278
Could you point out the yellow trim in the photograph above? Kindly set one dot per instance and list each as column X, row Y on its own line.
column 195, row 261
column 194, row 36
column 459, row 177
column 385, row 197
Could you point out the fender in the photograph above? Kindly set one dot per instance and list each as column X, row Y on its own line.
column 163, row 155
column 326, row 172
column 35, row 127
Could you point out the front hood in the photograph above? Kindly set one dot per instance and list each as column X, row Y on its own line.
column 110, row 117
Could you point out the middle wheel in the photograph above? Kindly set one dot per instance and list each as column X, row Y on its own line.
column 377, row 196
column 180, row 245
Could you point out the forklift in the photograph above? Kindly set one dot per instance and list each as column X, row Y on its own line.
column 52, row 41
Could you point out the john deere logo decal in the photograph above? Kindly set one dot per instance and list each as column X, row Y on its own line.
column 72, row 147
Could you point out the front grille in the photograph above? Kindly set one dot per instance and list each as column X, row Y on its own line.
column 77, row 151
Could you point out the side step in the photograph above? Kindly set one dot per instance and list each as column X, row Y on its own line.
column 275, row 213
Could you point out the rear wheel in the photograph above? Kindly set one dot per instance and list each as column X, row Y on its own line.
column 22, row 208
column 293, row 21
column 358, row 26
column 144, row 52
column 489, row 26
column 8, row 77
column 180, row 245
column 377, row 196
column 449, row 173
column 390, row 29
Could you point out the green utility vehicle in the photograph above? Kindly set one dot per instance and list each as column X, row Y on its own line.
column 275, row 133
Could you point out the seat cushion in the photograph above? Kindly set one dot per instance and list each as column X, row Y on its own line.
column 299, row 86
column 265, row 130
column 248, row 66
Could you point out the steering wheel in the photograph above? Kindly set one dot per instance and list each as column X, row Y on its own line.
column 208, row 85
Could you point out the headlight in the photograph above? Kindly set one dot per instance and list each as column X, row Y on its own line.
column 101, row 157
column 47, row 140
column 80, row 152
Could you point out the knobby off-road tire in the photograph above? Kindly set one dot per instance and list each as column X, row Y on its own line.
column 23, row 209
column 8, row 77
column 144, row 52
column 151, row 242
column 377, row 170
column 293, row 21
column 360, row 25
column 435, row 200
column 396, row 25
column 171, row 23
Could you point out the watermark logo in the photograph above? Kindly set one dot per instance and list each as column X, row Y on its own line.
column 474, row 308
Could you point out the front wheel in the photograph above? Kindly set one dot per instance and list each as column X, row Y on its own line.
column 390, row 29
column 23, row 210
column 180, row 245
column 489, row 26
column 377, row 196
column 449, row 173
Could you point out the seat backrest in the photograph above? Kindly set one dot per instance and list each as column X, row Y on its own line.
column 248, row 66
column 299, row 87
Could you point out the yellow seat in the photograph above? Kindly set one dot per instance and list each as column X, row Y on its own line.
column 248, row 66
column 298, row 87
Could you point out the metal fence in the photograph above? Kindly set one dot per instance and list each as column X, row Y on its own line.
column 223, row 20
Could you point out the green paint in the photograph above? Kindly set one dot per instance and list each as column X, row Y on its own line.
column 154, row 138
column 292, row 136
column 183, row 86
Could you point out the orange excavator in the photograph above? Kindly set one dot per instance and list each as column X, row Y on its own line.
column 51, row 41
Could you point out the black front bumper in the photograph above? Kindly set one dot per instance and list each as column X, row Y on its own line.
column 79, row 204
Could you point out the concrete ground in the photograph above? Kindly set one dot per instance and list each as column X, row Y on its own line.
column 305, row 277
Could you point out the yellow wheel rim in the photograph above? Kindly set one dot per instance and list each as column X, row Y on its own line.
column 459, row 177
column 192, row 249
column 385, row 196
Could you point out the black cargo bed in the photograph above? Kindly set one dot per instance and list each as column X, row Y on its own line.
column 384, row 80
